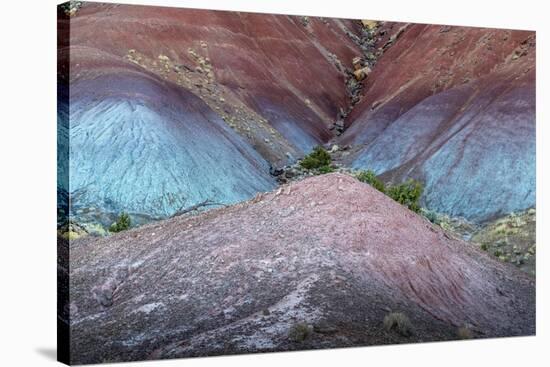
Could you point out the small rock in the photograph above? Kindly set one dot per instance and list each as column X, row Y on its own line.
column 362, row 73
column 357, row 63
column 229, row 312
column 274, row 171
column 369, row 24
column 290, row 173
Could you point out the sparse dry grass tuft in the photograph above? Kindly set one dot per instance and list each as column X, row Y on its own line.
column 399, row 322
column 464, row 333
column 299, row 332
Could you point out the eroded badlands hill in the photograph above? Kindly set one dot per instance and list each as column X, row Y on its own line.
column 453, row 107
column 171, row 107
column 327, row 251
column 285, row 68
column 146, row 147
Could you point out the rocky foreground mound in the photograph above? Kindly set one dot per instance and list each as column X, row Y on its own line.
column 328, row 253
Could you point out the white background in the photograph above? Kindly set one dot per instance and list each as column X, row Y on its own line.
column 28, row 174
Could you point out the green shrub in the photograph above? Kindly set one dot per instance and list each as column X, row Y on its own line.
column 370, row 178
column 299, row 332
column 122, row 223
column 316, row 159
column 431, row 216
column 398, row 322
column 71, row 235
column 326, row 169
column 407, row 193
column 96, row 229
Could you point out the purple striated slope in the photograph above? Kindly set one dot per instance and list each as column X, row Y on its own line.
column 454, row 108
column 284, row 68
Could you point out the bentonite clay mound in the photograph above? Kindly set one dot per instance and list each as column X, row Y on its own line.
column 453, row 107
column 174, row 107
column 288, row 69
column 328, row 251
